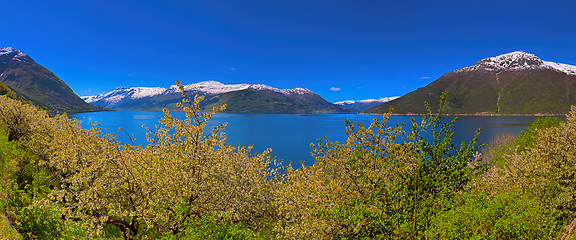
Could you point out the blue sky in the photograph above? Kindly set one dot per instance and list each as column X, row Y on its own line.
column 364, row 48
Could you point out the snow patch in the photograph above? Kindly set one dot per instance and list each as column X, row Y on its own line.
column 142, row 92
column 121, row 93
column 207, row 87
column 18, row 56
column 516, row 61
column 7, row 50
column 214, row 87
column 381, row 100
column 294, row 91
column 565, row 68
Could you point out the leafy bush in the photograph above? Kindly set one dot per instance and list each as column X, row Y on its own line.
column 23, row 183
column 509, row 215
column 381, row 182
column 540, row 166
column 182, row 176
column 210, row 228
column 527, row 138
column 19, row 120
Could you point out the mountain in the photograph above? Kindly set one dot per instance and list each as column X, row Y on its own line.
column 240, row 98
column 364, row 104
column 33, row 82
column 513, row 83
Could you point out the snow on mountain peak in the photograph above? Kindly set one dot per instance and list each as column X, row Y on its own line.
column 206, row 87
column 294, row 91
column 8, row 50
column 18, row 56
column 518, row 60
column 561, row 67
column 509, row 61
column 214, row 87
column 366, row 101
column 123, row 92
column 142, row 92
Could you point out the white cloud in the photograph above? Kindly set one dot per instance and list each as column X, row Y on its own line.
column 424, row 77
column 335, row 89
column 232, row 69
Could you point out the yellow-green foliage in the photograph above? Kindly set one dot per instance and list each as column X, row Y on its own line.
column 481, row 215
column 21, row 120
column 182, row 176
column 539, row 167
column 381, row 182
column 545, row 171
column 24, row 181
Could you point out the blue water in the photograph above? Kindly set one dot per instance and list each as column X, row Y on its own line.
column 290, row 135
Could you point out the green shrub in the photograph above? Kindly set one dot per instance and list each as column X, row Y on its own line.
column 210, row 228
column 380, row 183
column 527, row 138
column 509, row 215
column 25, row 182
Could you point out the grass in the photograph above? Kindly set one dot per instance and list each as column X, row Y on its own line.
column 9, row 152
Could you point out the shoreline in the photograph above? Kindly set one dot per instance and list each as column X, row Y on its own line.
column 474, row 114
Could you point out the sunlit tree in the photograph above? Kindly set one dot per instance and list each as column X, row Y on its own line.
column 381, row 182
column 182, row 176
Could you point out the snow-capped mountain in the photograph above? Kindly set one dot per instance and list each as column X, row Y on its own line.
column 202, row 88
column 14, row 54
column 364, row 104
column 518, row 61
column 512, row 83
column 30, row 81
column 239, row 98
column 121, row 93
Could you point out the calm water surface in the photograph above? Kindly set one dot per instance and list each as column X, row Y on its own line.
column 290, row 135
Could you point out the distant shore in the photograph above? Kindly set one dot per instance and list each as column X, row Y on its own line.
column 474, row 114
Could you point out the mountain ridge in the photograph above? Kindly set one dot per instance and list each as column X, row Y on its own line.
column 361, row 105
column 33, row 82
column 240, row 98
column 512, row 83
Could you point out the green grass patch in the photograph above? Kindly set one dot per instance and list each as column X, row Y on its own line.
column 8, row 154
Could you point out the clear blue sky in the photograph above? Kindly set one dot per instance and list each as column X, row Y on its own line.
column 365, row 48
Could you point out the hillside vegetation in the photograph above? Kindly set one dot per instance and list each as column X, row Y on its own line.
column 533, row 92
column 513, row 83
column 66, row 182
column 5, row 90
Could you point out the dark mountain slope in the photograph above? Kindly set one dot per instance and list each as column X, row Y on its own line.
column 37, row 84
column 514, row 83
column 265, row 101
